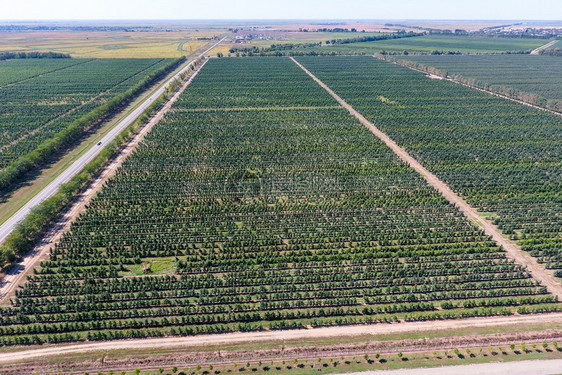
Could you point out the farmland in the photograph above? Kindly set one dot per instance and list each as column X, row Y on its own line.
column 290, row 37
column 558, row 44
column 104, row 44
column 444, row 43
column 43, row 99
column 259, row 203
column 532, row 75
column 502, row 157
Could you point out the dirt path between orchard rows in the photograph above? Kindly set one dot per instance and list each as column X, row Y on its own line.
column 277, row 351
column 537, row 51
column 15, row 278
column 513, row 251
column 278, row 336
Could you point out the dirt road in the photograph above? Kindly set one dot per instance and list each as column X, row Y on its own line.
column 537, row 51
column 10, row 224
column 544, row 367
column 513, row 251
column 16, row 276
column 281, row 336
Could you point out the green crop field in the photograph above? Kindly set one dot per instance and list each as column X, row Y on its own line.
column 444, row 43
column 259, row 203
column 42, row 98
column 39, row 99
column 558, row 44
column 503, row 157
column 22, row 69
column 539, row 75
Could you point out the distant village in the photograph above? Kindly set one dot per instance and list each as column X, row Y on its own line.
column 246, row 38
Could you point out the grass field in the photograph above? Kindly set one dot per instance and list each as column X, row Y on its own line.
column 367, row 362
column 308, row 221
column 539, row 75
column 445, row 43
column 102, row 44
column 323, row 36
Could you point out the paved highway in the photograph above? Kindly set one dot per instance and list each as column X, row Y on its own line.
column 51, row 189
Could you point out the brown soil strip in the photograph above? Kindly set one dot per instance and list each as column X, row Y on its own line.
column 513, row 251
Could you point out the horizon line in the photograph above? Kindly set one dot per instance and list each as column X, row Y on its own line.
column 277, row 19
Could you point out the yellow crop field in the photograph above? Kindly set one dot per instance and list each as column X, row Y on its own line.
column 103, row 44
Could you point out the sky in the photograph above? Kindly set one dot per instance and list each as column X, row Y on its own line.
column 280, row 9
